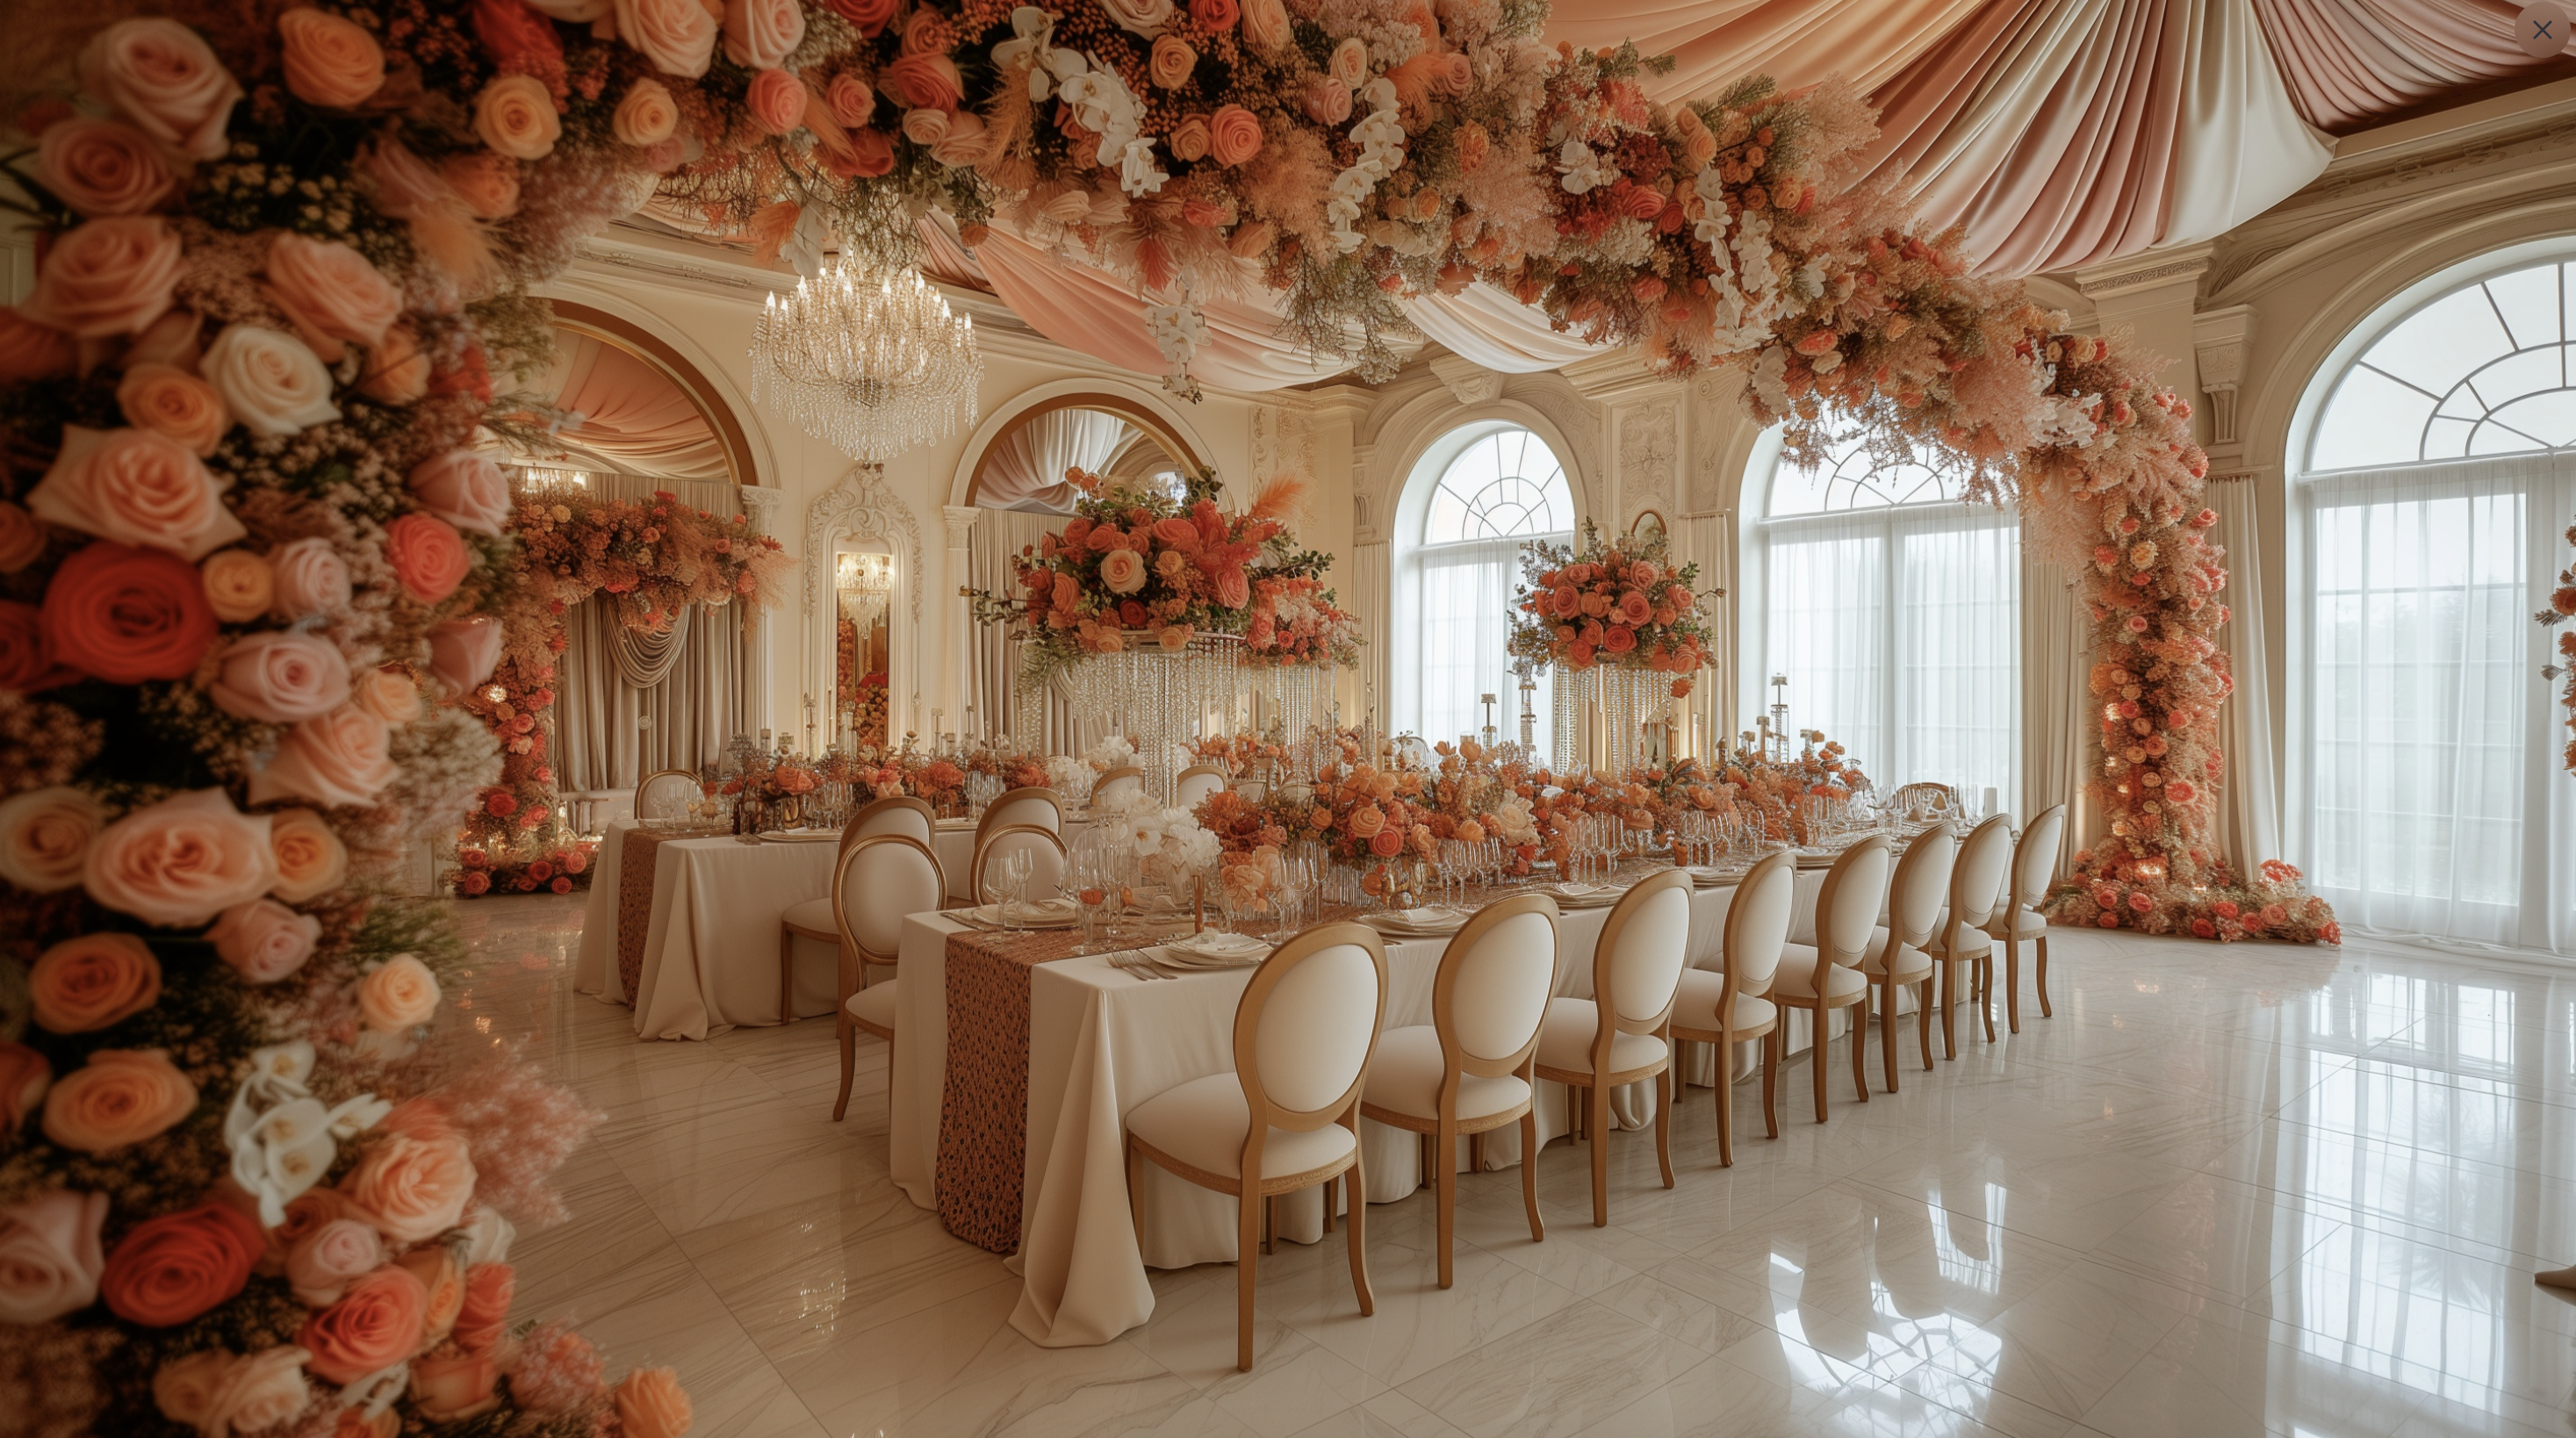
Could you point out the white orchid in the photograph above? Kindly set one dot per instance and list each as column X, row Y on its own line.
column 1033, row 41
column 486, row 1237
column 1137, row 172
column 282, row 1138
column 1584, row 169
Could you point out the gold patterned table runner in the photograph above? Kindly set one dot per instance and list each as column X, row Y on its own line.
column 984, row 1104
column 635, row 864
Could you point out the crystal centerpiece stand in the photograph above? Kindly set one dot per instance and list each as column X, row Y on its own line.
column 1159, row 696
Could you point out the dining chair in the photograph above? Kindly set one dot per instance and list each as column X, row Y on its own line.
column 1288, row 1117
column 1895, row 958
column 813, row 919
column 1118, row 784
column 1825, row 976
column 1045, row 848
column 1959, row 935
column 1470, row 1070
column 1192, row 785
column 879, row 881
column 1730, row 1005
column 2034, row 867
column 1621, row 1034
column 665, row 793
column 1019, row 808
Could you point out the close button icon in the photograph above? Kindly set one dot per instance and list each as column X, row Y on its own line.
column 2541, row 29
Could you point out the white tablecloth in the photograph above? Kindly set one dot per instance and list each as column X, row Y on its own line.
column 1102, row 1042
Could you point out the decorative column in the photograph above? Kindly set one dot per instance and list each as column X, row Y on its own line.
column 962, row 680
column 760, row 511
column 2220, row 341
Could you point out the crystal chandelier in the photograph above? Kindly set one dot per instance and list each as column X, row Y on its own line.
column 873, row 362
column 865, row 583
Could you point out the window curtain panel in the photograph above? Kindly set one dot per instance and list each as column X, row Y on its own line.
column 995, row 687
column 1465, row 631
column 2058, row 751
column 610, row 732
column 1027, row 466
column 2250, row 819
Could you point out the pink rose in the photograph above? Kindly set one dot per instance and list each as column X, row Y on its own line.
column 323, row 1263
column 263, row 940
column 311, row 579
column 331, row 292
column 182, row 861
column 776, row 101
column 161, row 76
column 1123, row 570
column 280, row 676
column 50, row 1257
column 1234, row 135
column 1350, row 63
column 390, row 695
column 1327, row 100
column 330, row 62
column 677, row 36
column 426, row 555
column 107, row 277
column 462, row 652
column 99, row 168
column 1265, row 24
column 466, row 489
column 135, row 486
column 340, row 758
column 761, row 34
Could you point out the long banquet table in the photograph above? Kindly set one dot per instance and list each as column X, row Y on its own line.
column 1098, row 1042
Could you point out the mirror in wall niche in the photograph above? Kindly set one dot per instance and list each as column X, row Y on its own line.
column 863, row 647
column 862, row 617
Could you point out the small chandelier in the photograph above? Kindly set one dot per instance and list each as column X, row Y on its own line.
column 865, row 583
column 873, row 362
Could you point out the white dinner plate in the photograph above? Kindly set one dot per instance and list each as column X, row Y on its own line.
column 1038, row 914
column 800, row 836
column 1580, row 896
column 1429, row 920
column 1214, row 949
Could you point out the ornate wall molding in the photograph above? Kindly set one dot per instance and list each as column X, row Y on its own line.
column 864, row 506
column 1649, row 444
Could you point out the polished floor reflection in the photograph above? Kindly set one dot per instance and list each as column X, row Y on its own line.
column 2236, row 1190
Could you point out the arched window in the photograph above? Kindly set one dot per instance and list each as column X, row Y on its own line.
column 1894, row 612
column 1479, row 494
column 2437, row 479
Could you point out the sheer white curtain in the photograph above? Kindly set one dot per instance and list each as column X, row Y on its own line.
column 1466, row 622
column 2437, row 807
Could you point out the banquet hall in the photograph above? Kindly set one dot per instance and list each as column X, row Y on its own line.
column 1304, row 718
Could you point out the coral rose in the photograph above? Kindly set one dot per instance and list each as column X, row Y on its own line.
column 338, row 759
column 485, row 1315
column 50, row 1258
column 311, row 579
column 29, row 350
column 109, row 277
column 99, row 168
column 162, row 76
column 650, row 1401
column 331, row 290
column 239, row 585
column 330, row 62
column 412, row 1188
column 311, row 860
column 1387, row 842
column 427, row 556
column 1172, row 62
column 373, row 1327
column 400, row 994
column 515, row 115
column 462, row 652
column 1214, row 14
column 44, row 836
column 273, row 382
column 870, row 16
column 1234, row 135
column 435, row 1266
column 170, row 1269
column 849, row 99
column 168, row 400
column 925, row 82
column 1265, row 24
column 322, row 1264
column 263, row 940
column 280, row 677
column 1635, row 608
column 1123, row 571
column 93, row 982
column 135, row 486
column 22, row 539
column 466, row 489
column 180, row 862
column 1327, row 101
column 776, row 101
column 130, row 614
column 761, row 34
column 647, row 116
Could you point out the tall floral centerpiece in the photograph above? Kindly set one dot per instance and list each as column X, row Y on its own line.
column 1621, row 625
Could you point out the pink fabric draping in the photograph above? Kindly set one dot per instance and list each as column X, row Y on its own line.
column 632, row 417
column 1484, row 326
column 1796, row 42
column 2351, row 61
column 1026, row 467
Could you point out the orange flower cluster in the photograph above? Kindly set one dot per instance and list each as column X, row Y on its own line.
column 1623, row 605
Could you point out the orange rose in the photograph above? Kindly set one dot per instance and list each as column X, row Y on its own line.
column 1172, row 62
column 311, row 860
column 172, row 1268
column 337, row 759
column 100, row 168
column 108, row 277
column 164, row 77
column 93, row 982
column 168, row 400
column 397, row 371
column 45, row 834
column 412, row 1188
column 427, row 556
column 398, row 994
column 239, row 585
column 515, row 115
column 24, row 1077
column 485, row 1316
column 435, row 1266
column 330, row 62
column 1234, row 135
column 648, row 115
column 652, row 1404
column 122, row 1097
column 182, row 861
column 332, row 292
column 375, row 1325
column 851, row 100
column 1365, row 821
column 452, row 1389
column 22, row 539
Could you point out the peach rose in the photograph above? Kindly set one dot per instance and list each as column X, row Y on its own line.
column 93, row 982
column 99, row 167
column 22, row 539
column 850, row 99
column 1234, row 135
column 163, row 77
column 412, row 1187
column 650, row 1401
column 50, row 1259
column 1172, row 62
column 1123, row 570
column 239, row 585
column 182, row 861
column 263, row 940
column 1327, row 100
column 330, row 62
column 280, row 676
column 273, row 382
column 24, row 1077
column 374, row 1326
column 452, row 1389
column 1189, row 139
column 185, row 1387
column 965, row 141
column 677, row 36
column 427, row 556
column 243, row 1395
column 323, row 1263
column 925, row 82
column 389, row 694
column 1265, row 23
column 462, row 652
column 761, row 34
column 311, row 860
column 122, row 1097
column 311, row 579
column 648, row 115
column 108, row 277
column 337, row 759
column 400, row 993
column 466, row 489
column 435, row 1266
column 331, row 290
column 776, row 101
column 925, row 128
column 398, row 370
column 486, row 182
column 135, row 486
column 1365, row 821
column 515, row 115
column 1141, row 17
column 168, row 400
column 1350, row 63
column 44, row 836
column 485, row 1315
column 30, row 350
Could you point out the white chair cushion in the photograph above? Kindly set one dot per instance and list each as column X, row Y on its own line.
column 1405, row 1073
column 1972, row 942
column 1696, row 1007
column 813, row 916
column 1202, row 1124
column 1911, row 963
column 1565, row 1040
column 2033, row 924
column 1796, row 980
column 875, row 1004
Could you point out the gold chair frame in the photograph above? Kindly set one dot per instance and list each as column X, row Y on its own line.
column 855, row 958
column 1598, row 1082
